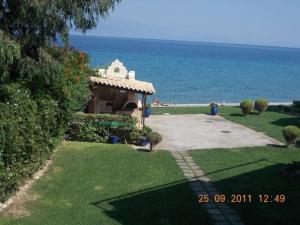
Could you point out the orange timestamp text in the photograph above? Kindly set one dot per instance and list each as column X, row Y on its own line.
column 241, row 198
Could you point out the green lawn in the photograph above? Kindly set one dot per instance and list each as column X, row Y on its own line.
column 180, row 110
column 91, row 184
column 253, row 170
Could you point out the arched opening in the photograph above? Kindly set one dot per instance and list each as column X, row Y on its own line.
column 130, row 106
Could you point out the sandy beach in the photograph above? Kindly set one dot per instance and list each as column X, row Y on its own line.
column 222, row 104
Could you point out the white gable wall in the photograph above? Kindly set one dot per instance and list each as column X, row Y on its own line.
column 117, row 70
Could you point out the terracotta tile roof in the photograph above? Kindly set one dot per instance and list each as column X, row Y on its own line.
column 127, row 84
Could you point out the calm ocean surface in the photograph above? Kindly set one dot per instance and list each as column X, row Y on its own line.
column 195, row 72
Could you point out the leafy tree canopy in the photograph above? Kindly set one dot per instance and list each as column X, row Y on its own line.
column 27, row 29
column 36, row 22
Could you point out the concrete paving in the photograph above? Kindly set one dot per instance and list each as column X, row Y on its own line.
column 200, row 131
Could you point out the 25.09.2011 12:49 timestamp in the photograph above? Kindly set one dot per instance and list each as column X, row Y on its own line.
column 242, row 198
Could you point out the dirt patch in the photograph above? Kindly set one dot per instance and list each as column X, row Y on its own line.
column 98, row 188
column 57, row 170
column 15, row 206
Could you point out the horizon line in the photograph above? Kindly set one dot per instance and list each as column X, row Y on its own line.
column 191, row 41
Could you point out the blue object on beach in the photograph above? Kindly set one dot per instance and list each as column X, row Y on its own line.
column 214, row 110
column 147, row 112
column 114, row 139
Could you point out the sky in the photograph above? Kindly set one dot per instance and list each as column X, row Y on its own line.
column 259, row 22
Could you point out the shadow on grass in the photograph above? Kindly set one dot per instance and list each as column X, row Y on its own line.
column 241, row 115
column 268, row 180
column 143, row 150
column 287, row 121
column 172, row 203
column 280, row 110
column 276, row 146
column 236, row 114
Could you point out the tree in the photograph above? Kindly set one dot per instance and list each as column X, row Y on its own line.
column 36, row 22
column 41, row 85
column 27, row 31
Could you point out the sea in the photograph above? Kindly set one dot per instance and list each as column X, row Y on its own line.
column 185, row 72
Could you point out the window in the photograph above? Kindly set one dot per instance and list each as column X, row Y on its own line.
column 117, row 70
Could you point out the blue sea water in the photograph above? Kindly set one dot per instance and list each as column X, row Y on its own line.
column 195, row 72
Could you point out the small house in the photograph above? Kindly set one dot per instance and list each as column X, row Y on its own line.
column 115, row 90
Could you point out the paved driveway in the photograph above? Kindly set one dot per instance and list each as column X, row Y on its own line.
column 185, row 132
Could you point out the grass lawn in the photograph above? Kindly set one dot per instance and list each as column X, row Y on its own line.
column 253, row 170
column 91, row 183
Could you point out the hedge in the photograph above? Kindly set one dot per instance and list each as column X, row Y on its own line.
column 28, row 133
column 100, row 127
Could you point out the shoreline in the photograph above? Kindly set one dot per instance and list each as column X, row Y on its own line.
column 220, row 104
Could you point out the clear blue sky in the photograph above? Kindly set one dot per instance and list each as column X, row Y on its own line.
column 262, row 22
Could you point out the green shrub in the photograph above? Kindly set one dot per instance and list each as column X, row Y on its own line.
column 261, row 105
column 290, row 134
column 99, row 127
column 295, row 107
column 296, row 104
column 28, row 133
column 146, row 130
column 154, row 138
column 246, row 106
column 52, row 128
column 285, row 108
column 135, row 136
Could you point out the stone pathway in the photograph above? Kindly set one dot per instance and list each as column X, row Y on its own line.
column 221, row 213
